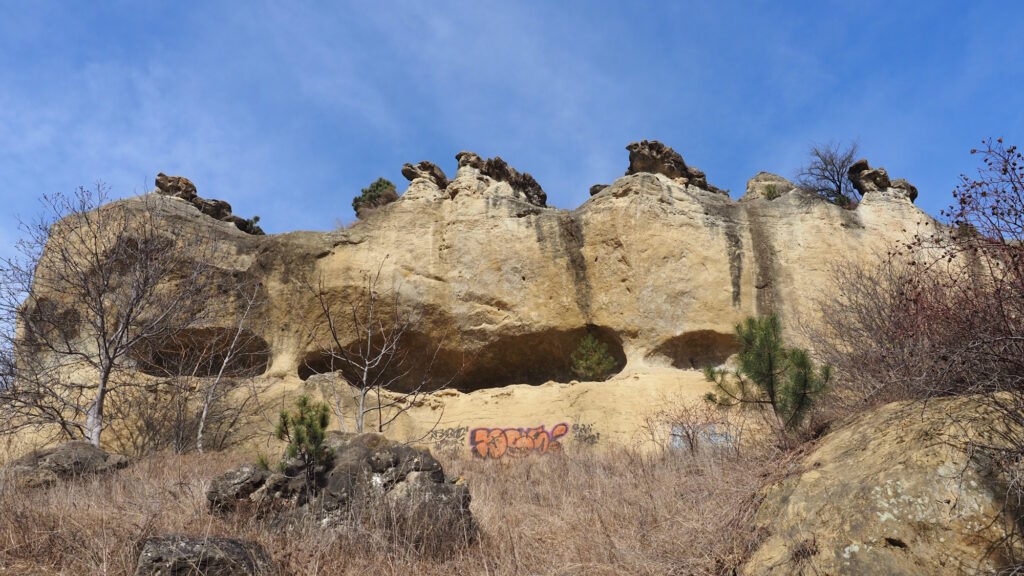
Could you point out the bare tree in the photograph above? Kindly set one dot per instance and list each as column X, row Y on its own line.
column 365, row 349
column 826, row 173
column 92, row 284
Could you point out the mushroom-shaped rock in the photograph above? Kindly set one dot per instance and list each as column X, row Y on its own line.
column 169, row 555
column 651, row 156
column 767, row 186
column 428, row 170
column 866, row 179
column 522, row 183
column 176, row 186
column 909, row 190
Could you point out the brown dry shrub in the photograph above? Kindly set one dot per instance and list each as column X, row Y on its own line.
column 617, row 511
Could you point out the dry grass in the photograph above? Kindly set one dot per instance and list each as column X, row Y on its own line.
column 590, row 512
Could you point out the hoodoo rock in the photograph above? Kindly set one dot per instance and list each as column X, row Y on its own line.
column 428, row 170
column 653, row 157
column 867, row 180
column 499, row 170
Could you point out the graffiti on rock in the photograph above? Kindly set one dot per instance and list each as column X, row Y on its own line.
column 585, row 435
column 497, row 443
column 448, row 438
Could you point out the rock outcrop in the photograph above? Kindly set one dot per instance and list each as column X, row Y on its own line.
column 767, row 186
column 876, row 180
column 653, row 157
column 428, row 170
column 364, row 467
column 892, row 492
column 64, row 461
column 183, row 188
column 210, row 556
column 503, row 289
column 499, row 170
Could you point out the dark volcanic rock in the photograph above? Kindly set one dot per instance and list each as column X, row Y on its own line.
column 496, row 168
column 68, row 460
column 428, row 170
column 181, row 555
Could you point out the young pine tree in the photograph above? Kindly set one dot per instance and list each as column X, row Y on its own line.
column 591, row 360
column 305, row 430
column 770, row 375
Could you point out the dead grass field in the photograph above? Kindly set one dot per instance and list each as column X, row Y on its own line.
column 588, row 512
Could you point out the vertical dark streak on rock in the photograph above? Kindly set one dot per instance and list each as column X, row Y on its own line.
column 766, row 265
column 735, row 253
column 570, row 234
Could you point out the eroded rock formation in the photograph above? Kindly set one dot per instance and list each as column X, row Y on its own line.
column 428, row 170
column 653, row 157
column 876, row 180
column 183, row 188
column 499, row 170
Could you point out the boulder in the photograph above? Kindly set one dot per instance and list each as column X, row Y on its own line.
column 180, row 555
column 654, row 157
column 597, row 188
column 522, row 183
column 364, row 466
column 236, row 485
column 428, row 170
column 894, row 491
column 65, row 461
column 176, row 186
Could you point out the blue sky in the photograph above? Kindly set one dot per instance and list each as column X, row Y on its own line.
column 286, row 110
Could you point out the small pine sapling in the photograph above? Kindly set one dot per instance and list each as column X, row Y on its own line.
column 591, row 360
column 769, row 375
column 305, row 430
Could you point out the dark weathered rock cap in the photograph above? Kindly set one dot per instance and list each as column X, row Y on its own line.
column 522, row 183
column 428, row 170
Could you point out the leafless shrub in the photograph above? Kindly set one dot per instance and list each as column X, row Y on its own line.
column 364, row 348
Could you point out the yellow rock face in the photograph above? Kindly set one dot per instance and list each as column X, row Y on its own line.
column 660, row 270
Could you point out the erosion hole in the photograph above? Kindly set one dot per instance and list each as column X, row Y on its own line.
column 202, row 352
column 697, row 349
column 531, row 358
